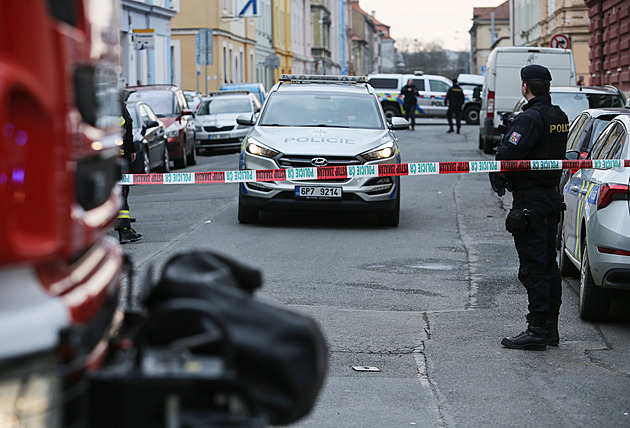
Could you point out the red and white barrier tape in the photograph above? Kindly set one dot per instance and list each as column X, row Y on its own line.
column 373, row 170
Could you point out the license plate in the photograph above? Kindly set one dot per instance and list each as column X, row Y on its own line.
column 218, row 136
column 318, row 192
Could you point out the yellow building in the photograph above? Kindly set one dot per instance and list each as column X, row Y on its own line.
column 282, row 36
column 233, row 45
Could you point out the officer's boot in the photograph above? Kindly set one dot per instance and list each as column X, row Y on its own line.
column 551, row 328
column 127, row 235
column 458, row 129
column 532, row 339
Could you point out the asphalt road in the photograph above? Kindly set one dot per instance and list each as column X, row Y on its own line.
column 427, row 303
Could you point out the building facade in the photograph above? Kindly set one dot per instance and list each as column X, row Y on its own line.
column 549, row 23
column 146, row 63
column 490, row 29
column 232, row 41
column 301, row 36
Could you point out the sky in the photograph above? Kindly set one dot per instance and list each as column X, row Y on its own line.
column 443, row 21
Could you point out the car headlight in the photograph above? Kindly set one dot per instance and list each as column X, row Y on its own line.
column 255, row 148
column 172, row 132
column 383, row 151
column 29, row 400
column 198, row 128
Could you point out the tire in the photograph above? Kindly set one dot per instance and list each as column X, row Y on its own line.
column 480, row 142
column 471, row 115
column 146, row 163
column 488, row 145
column 391, row 111
column 594, row 301
column 166, row 161
column 567, row 268
column 183, row 161
column 392, row 218
column 192, row 159
column 246, row 215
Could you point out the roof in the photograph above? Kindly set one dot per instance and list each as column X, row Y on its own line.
column 502, row 12
column 585, row 89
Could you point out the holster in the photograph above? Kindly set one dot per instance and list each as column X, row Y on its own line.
column 519, row 220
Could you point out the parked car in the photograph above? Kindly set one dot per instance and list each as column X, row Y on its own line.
column 215, row 120
column 596, row 232
column 193, row 98
column 169, row 104
column 321, row 121
column 150, row 140
column 255, row 88
column 432, row 89
column 583, row 133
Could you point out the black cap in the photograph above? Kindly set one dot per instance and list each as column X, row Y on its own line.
column 535, row 72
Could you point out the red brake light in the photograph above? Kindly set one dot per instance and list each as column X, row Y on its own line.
column 613, row 251
column 490, row 103
column 611, row 192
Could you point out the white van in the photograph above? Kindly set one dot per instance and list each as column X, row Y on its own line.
column 432, row 90
column 502, row 89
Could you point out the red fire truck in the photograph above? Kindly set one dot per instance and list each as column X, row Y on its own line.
column 59, row 166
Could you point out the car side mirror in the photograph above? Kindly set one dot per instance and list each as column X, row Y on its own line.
column 398, row 123
column 152, row 124
column 187, row 111
column 245, row 119
column 572, row 155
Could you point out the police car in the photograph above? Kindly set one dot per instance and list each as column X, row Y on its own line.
column 320, row 121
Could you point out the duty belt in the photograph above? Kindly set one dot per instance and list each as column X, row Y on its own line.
column 532, row 191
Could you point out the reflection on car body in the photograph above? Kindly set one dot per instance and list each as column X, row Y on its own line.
column 311, row 121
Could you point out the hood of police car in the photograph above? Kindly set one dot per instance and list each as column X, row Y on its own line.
column 320, row 140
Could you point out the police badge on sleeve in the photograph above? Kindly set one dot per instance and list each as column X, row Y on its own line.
column 514, row 138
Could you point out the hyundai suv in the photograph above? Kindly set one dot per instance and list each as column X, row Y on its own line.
column 170, row 105
column 309, row 121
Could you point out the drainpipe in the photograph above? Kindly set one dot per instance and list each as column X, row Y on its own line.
column 601, row 41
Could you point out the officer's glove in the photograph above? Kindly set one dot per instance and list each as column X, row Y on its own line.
column 499, row 182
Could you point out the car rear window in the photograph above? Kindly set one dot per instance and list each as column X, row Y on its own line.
column 322, row 109
column 575, row 103
column 225, row 105
column 161, row 102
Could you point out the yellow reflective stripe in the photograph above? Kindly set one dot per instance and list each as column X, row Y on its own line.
column 124, row 214
column 122, row 120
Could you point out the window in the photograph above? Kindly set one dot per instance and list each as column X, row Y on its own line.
column 606, row 143
column 438, row 86
column 384, row 83
column 419, row 84
column 575, row 132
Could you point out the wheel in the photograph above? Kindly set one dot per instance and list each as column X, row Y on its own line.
column 471, row 115
column 146, row 164
column 183, row 161
column 166, row 161
column 192, row 159
column 594, row 301
column 392, row 218
column 246, row 215
column 567, row 268
column 391, row 111
column 488, row 145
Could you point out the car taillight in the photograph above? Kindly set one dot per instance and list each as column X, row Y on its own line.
column 613, row 251
column 611, row 192
column 490, row 103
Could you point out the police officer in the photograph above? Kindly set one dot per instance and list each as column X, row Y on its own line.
column 454, row 100
column 126, row 234
column 539, row 132
column 409, row 92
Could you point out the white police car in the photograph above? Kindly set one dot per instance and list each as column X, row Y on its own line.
column 318, row 121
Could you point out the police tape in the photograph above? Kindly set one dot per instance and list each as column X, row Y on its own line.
column 372, row 170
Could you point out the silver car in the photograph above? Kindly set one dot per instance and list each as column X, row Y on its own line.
column 311, row 121
column 215, row 119
column 595, row 241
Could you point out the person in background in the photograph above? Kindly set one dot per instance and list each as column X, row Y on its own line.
column 454, row 100
column 409, row 93
column 539, row 132
column 126, row 234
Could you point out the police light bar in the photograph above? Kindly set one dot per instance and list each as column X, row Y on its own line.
column 228, row 92
column 323, row 78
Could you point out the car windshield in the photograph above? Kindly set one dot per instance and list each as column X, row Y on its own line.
column 224, row 105
column 322, row 109
column 575, row 103
column 161, row 102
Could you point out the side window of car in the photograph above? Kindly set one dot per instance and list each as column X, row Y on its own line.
column 616, row 148
column 606, row 142
column 419, row 84
column 575, row 131
column 144, row 115
column 383, row 83
column 438, row 86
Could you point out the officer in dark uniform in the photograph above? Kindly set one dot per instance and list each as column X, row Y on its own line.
column 126, row 233
column 454, row 100
column 409, row 92
column 539, row 132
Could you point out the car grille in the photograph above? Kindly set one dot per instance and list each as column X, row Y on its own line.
column 218, row 128
column 294, row 161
